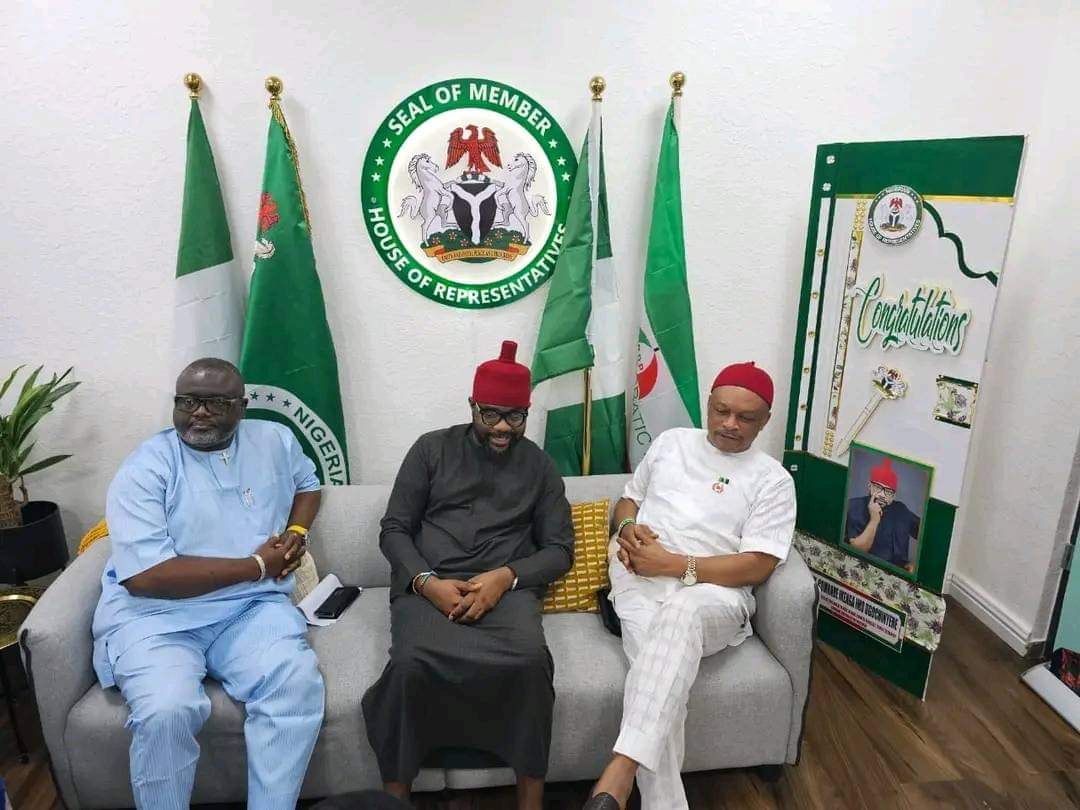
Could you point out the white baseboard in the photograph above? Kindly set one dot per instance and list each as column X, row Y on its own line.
column 1002, row 622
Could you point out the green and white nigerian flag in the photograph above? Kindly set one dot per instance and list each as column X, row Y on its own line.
column 666, row 394
column 288, row 359
column 208, row 319
column 580, row 329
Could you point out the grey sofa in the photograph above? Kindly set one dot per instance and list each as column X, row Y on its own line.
column 746, row 708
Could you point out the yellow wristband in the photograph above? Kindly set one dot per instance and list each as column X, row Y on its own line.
column 300, row 530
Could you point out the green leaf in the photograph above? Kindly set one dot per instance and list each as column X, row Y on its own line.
column 26, row 426
column 28, row 386
column 61, row 391
column 35, row 400
column 7, row 383
column 28, row 403
column 29, row 411
column 41, row 465
column 23, row 455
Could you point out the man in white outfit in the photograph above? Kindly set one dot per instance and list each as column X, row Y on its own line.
column 704, row 519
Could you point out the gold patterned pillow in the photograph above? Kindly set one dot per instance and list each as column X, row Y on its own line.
column 305, row 579
column 93, row 534
column 576, row 591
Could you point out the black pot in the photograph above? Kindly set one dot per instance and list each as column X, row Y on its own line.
column 36, row 548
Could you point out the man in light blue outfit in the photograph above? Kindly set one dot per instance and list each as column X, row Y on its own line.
column 207, row 523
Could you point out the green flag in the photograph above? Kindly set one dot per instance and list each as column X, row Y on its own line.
column 208, row 317
column 288, row 358
column 580, row 329
column 666, row 394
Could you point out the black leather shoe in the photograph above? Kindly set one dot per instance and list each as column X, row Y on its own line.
column 602, row 801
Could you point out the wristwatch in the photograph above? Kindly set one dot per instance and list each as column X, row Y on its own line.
column 689, row 576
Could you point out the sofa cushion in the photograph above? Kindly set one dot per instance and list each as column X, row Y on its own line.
column 739, row 709
column 352, row 653
column 575, row 591
column 345, row 535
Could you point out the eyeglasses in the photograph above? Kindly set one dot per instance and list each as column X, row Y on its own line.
column 216, row 406
column 492, row 416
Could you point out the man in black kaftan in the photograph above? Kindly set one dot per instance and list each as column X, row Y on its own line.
column 476, row 527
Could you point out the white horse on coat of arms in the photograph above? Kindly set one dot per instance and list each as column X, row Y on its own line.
column 435, row 203
column 515, row 204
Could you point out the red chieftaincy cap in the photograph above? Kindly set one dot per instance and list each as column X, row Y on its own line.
column 503, row 382
column 748, row 376
column 884, row 475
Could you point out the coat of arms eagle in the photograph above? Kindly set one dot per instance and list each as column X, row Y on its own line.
column 476, row 147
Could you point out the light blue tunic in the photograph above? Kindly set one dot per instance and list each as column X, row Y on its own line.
column 170, row 500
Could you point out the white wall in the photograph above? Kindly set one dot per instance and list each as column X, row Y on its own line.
column 91, row 154
column 1019, row 505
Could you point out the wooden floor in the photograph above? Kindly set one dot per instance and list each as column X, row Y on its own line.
column 981, row 740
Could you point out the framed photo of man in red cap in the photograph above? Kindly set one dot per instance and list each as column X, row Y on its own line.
column 887, row 496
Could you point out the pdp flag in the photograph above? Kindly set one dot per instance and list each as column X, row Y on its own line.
column 288, row 358
column 580, row 329
column 666, row 394
column 208, row 319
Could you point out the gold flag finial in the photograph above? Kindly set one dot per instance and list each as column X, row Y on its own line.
column 193, row 82
column 677, row 81
column 274, row 86
column 597, row 85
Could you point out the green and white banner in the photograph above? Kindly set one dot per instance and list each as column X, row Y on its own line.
column 581, row 329
column 666, row 394
column 904, row 252
column 208, row 319
column 288, row 358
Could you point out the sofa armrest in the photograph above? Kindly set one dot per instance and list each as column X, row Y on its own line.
column 784, row 621
column 57, row 649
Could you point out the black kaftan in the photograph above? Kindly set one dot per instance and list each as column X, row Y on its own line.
column 459, row 509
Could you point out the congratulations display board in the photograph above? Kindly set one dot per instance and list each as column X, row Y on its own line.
column 465, row 191
column 903, row 258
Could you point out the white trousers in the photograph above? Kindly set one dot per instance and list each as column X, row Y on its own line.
column 665, row 641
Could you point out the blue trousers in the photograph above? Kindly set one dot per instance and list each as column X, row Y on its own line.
column 262, row 659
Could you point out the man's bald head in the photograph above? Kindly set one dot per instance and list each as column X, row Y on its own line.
column 209, row 403
column 211, row 376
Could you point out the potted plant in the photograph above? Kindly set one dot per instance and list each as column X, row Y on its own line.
column 32, row 541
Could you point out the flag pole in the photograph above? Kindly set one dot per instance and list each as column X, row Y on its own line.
column 677, row 80
column 193, row 82
column 586, row 452
column 597, row 85
column 274, row 86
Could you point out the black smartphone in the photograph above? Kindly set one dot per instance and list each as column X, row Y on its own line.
column 337, row 602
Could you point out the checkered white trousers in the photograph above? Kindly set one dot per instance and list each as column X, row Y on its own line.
column 665, row 642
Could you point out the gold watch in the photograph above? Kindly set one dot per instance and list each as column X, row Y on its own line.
column 689, row 576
